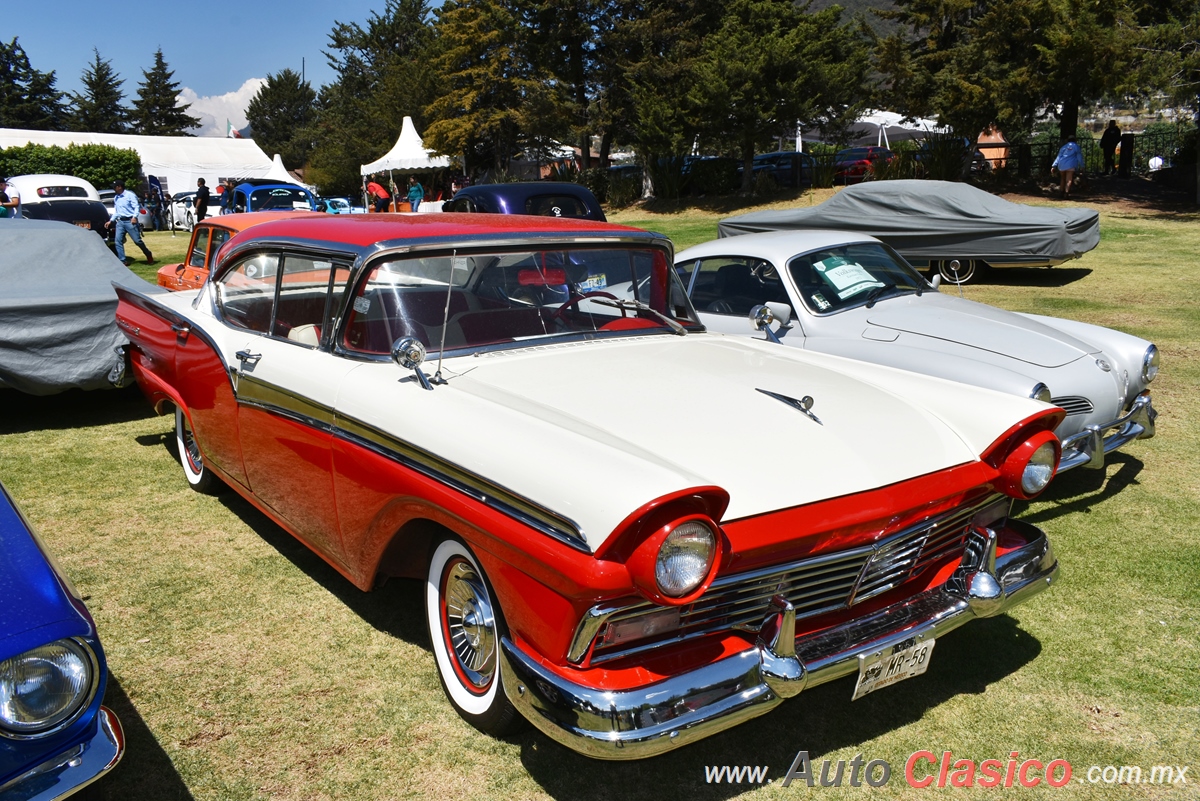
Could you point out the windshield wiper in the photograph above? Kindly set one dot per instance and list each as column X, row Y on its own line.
column 637, row 305
column 874, row 294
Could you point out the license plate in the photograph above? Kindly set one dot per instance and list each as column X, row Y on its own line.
column 84, row 224
column 897, row 663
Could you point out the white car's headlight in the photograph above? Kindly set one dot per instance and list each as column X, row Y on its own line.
column 1149, row 364
column 1039, row 469
column 1040, row 392
column 684, row 559
column 45, row 686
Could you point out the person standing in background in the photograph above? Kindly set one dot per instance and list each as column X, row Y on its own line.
column 8, row 206
column 416, row 192
column 202, row 195
column 125, row 221
column 1068, row 162
column 380, row 195
column 1108, row 143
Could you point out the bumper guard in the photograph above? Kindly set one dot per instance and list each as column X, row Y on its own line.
column 1088, row 447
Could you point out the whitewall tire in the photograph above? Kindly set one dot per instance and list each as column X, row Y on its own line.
column 199, row 477
column 465, row 627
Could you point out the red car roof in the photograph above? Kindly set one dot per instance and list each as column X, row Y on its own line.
column 362, row 230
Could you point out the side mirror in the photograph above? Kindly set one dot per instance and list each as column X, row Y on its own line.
column 763, row 315
column 936, row 282
column 409, row 353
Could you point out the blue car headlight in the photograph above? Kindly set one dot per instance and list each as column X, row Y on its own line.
column 45, row 687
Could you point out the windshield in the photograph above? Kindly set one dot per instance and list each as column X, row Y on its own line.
column 279, row 197
column 837, row 278
column 499, row 298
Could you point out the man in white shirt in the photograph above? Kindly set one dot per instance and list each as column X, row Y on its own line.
column 125, row 216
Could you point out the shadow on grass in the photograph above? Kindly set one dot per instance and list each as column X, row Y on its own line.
column 820, row 721
column 1077, row 491
column 1050, row 277
column 145, row 771
column 21, row 413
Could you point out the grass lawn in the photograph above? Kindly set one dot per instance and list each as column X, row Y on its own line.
column 243, row 667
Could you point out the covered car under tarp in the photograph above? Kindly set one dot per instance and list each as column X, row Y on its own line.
column 932, row 221
column 58, row 329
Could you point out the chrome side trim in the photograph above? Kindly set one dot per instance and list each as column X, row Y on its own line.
column 475, row 486
column 645, row 721
column 1089, row 447
column 273, row 399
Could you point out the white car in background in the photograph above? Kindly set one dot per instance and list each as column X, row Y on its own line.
column 60, row 197
column 144, row 218
column 849, row 294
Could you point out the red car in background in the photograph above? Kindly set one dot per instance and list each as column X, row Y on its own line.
column 852, row 164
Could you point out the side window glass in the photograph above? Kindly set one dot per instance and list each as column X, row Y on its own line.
column 199, row 257
column 246, row 294
column 219, row 237
column 309, row 290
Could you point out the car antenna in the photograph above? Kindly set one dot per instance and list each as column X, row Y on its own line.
column 955, row 265
column 437, row 374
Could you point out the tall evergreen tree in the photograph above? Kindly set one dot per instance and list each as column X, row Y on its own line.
column 99, row 108
column 384, row 73
column 280, row 114
column 157, row 112
column 28, row 98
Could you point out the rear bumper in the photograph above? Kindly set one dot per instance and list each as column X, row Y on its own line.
column 73, row 769
column 1089, row 447
column 649, row 720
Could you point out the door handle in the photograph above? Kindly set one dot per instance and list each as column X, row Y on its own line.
column 181, row 330
column 247, row 357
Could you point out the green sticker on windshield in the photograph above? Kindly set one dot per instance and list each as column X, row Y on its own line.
column 847, row 277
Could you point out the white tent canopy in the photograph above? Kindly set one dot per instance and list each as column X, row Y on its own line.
column 177, row 160
column 409, row 154
column 888, row 125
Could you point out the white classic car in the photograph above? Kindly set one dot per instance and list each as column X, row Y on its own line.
column 848, row 294
column 632, row 533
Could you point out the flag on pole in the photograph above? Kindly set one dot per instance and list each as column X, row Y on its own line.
column 228, row 129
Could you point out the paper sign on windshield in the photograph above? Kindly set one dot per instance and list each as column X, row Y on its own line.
column 848, row 278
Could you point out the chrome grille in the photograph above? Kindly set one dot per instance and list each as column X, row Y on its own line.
column 1073, row 404
column 814, row 586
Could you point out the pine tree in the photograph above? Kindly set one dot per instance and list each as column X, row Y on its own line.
column 279, row 115
column 28, row 98
column 99, row 108
column 156, row 110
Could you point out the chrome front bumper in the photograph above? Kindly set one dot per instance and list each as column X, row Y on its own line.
column 73, row 769
column 649, row 720
column 1088, row 447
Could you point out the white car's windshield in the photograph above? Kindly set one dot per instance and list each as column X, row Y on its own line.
column 496, row 298
column 835, row 278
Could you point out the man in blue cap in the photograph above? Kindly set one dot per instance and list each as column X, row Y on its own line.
column 125, row 215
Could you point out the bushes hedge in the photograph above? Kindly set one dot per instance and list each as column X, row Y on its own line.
column 98, row 164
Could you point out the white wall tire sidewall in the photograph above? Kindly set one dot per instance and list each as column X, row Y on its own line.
column 193, row 477
column 465, row 700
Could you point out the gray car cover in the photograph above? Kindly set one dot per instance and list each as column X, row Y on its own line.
column 58, row 328
column 937, row 220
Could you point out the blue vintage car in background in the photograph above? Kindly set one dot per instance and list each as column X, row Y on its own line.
column 55, row 737
column 544, row 198
column 264, row 194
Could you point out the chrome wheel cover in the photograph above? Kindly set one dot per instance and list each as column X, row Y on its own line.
column 469, row 624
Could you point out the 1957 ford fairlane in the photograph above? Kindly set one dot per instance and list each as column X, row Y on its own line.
column 632, row 532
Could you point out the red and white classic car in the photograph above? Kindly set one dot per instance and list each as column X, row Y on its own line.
column 633, row 533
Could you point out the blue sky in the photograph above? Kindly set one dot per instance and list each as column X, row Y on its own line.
column 220, row 52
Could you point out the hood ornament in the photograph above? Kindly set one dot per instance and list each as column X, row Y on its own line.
column 804, row 404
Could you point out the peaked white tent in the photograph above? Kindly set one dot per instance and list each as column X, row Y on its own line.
column 177, row 160
column 279, row 173
column 409, row 154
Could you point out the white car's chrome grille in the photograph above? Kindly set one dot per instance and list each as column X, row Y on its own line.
column 814, row 586
column 1073, row 404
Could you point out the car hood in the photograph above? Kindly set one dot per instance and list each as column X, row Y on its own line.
column 38, row 605
column 977, row 325
column 592, row 431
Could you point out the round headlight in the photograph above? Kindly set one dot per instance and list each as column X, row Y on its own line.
column 684, row 558
column 1039, row 469
column 1149, row 364
column 1040, row 392
column 45, row 686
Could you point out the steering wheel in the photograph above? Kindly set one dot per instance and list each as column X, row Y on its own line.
column 576, row 300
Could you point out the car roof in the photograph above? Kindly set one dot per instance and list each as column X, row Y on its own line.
column 777, row 246
column 240, row 222
column 365, row 230
column 30, row 183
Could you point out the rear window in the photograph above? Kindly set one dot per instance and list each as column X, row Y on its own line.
column 556, row 206
column 61, row 191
